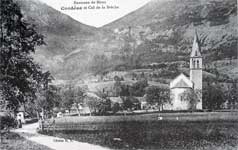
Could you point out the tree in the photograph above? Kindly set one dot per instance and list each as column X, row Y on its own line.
column 104, row 106
column 125, row 90
column 20, row 76
column 93, row 104
column 232, row 96
column 102, row 94
column 127, row 103
column 136, row 105
column 108, row 104
column 157, row 96
column 105, row 103
column 115, row 107
column 117, row 79
column 193, row 97
column 98, row 106
column 46, row 100
column 68, row 98
column 79, row 98
column 138, row 88
column 117, row 88
column 213, row 97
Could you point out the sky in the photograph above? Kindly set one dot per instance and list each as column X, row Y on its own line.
column 96, row 17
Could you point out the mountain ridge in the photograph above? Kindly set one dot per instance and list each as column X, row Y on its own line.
column 147, row 35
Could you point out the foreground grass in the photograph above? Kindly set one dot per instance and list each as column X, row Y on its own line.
column 176, row 131
column 164, row 135
column 13, row 141
column 195, row 116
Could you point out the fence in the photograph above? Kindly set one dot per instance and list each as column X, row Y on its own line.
column 46, row 126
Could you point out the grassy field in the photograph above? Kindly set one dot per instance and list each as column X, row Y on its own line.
column 15, row 142
column 151, row 135
column 177, row 131
column 160, row 117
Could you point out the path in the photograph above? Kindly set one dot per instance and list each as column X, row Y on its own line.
column 29, row 132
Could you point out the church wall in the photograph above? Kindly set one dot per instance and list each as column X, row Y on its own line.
column 177, row 102
column 199, row 105
column 196, row 78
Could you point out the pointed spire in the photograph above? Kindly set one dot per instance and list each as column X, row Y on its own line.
column 196, row 50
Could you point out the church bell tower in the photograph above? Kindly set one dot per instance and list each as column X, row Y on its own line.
column 196, row 68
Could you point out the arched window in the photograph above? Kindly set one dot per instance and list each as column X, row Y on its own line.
column 194, row 63
column 198, row 64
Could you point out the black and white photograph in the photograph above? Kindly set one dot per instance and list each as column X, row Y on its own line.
column 118, row 75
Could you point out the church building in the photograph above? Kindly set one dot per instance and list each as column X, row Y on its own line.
column 183, row 83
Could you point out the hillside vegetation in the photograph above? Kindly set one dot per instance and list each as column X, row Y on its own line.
column 152, row 34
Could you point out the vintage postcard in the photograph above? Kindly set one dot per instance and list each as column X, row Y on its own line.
column 118, row 75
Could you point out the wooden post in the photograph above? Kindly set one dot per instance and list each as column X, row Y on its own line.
column 53, row 123
column 1, row 138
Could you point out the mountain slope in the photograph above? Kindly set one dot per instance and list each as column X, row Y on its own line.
column 179, row 13
column 153, row 33
column 165, row 29
column 62, row 33
column 63, row 36
column 173, row 23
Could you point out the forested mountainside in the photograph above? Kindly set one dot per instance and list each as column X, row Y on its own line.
column 161, row 31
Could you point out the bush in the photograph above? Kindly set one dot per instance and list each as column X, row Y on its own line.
column 127, row 103
column 7, row 121
column 138, row 88
column 116, row 108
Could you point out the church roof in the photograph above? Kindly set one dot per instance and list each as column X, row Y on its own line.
column 92, row 95
column 181, row 81
column 181, row 84
column 116, row 100
column 196, row 49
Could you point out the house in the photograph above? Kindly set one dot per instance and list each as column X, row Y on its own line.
column 182, row 83
column 143, row 102
column 116, row 100
column 21, row 115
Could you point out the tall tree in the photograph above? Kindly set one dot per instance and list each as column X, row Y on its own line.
column 117, row 88
column 193, row 97
column 231, row 95
column 157, row 96
column 138, row 88
column 93, row 103
column 20, row 76
column 68, row 98
column 213, row 97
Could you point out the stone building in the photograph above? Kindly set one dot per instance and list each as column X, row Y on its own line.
column 183, row 83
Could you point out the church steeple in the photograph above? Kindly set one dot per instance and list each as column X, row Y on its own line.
column 196, row 49
column 196, row 56
column 196, row 66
